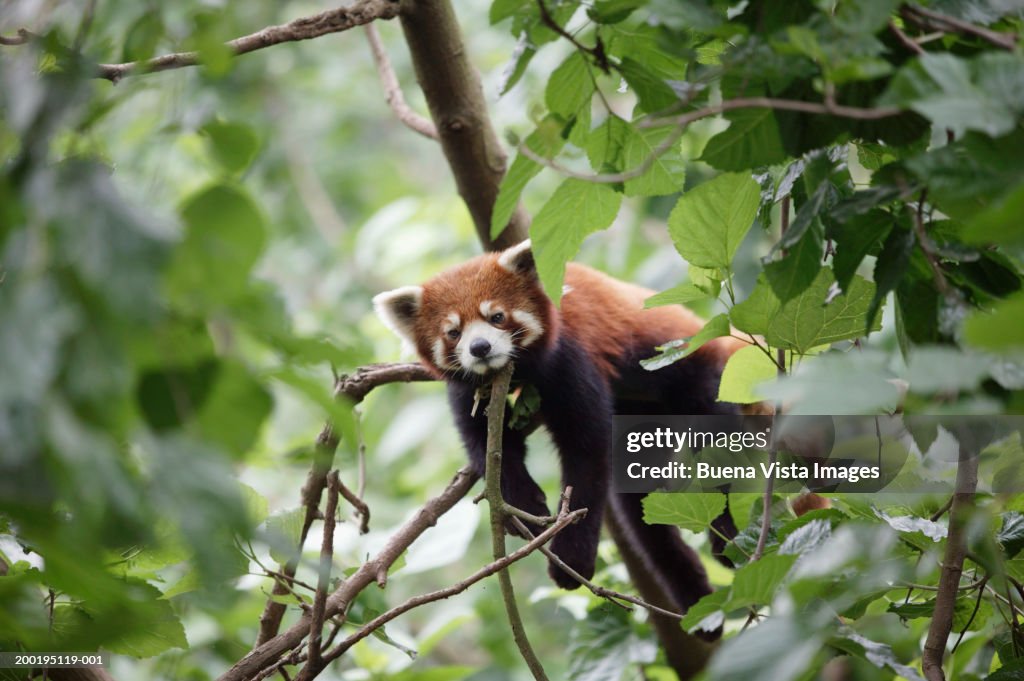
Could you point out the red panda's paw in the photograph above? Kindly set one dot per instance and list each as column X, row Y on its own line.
column 577, row 548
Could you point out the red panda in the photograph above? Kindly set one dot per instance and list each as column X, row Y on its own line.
column 583, row 359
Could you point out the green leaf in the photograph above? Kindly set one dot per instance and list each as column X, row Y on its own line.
column 604, row 645
column 945, row 369
column 284, row 529
column 890, row 268
column 575, row 210
column 224, row 237
column 807, row 537
column 709, row 222
column 668, row 170
column 855, row 239
column 545, row 141
column 706, row 614
column 962, row 610
column 999, row 329
column 1011, row 534
column 751, row 140
column 864, row 378
column 674, row 351
column 233, row 145
column 779, row 649
column 162, row 631
column 797, row 270
column 878, row 654
column 745, row 370
column 570, row 86
column 1000, row 222
column 677, row 295
column 653, row 93
column 689, row 511
column 142, row 37
column 816, row 317
column 755, row 583
column 982, row 94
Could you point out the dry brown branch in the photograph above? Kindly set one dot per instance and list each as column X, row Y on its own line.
column 335, row 20
column 353, row 387
column 393, row 91
column 270, row 651
column 316, row 622
column 905, row 39
column 564, row 518
column 930, row 19
column 496, row 504
column 614, row 597
column 952, row 566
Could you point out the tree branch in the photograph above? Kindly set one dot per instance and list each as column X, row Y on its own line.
column 457, row 106
column 927, row 18
column 564, row 518
column 952, row 565
column 316, row 624
column 354, row 387
column 331, row 21
column 372, row 571
column 392, row 90
column 496, row 504
column 681, row 122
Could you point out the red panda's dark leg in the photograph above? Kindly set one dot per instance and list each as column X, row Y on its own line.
column 577, row 409
column 517, row 487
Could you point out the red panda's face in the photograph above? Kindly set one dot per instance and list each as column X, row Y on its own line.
column 474, row 318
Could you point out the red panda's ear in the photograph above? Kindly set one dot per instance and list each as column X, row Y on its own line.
column 399, row 310
column 519, row 259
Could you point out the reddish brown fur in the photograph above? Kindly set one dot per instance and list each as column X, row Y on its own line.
column 605, row 315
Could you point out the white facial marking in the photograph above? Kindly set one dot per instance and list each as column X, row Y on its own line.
column 566, row 289
column 532, row 327
column 499, row 354
column 439, row 355
column 487, row 308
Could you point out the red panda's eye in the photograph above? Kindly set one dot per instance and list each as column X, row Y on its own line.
column 497, row 318
column 453, row 333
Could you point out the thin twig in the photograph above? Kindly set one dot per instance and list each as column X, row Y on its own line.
column 393, row 91
column 564, row 519
column 496, row 504
column 974, row 613
column 613, row 597
column 926, row 248
column 681, row 122
column 905, row 39
column 316, row 622
column 304, row 28
column 928, row 18
column 354, row 388
column 952, row 566
column 271, row 651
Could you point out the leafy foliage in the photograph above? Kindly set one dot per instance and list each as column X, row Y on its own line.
column 843, row 182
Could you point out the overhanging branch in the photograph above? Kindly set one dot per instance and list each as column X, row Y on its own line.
column 330, row 21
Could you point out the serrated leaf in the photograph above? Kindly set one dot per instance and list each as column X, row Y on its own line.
column 668, row 169
column 1011, row 534
column 797, row 270
column 604, row 645
column 570, row 86
column 855, row 239
column 751, row 140
column 816, row 317
column 284, row 529
column 709, row 222
column 746, row 369
column 890, row 268
column 546, row 141
column 689, row 511
column 706, row 614
column 671, row 353
column 878, row 654
column 755, row 583
column 575, row 210
column 806, row 538
column 677, row 295
column 653, row 93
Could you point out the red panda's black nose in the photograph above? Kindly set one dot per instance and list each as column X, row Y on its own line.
column 479, row 348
